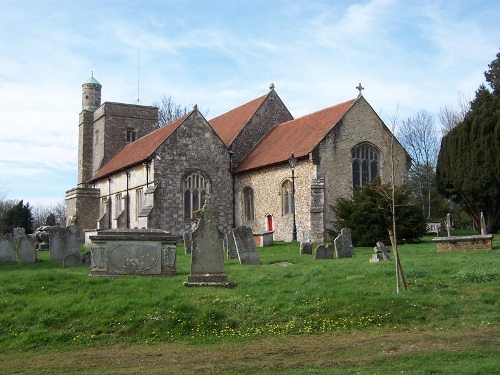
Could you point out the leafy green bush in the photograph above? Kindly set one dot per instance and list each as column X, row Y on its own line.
column 368, row 215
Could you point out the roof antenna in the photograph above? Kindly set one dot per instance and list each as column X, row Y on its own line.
column 138, row 56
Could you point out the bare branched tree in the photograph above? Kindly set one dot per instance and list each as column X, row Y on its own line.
column 420, row 138
column 42, row 212
column 169, row 111
column 451, row 117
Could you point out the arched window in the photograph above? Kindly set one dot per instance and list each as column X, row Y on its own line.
column 286, row 197
column 364, row 161
column 196, row 187
column 248, row 204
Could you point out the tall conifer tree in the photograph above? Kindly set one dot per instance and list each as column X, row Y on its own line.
column 468, row 168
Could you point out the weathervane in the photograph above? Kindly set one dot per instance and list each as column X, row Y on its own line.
column 360, row 88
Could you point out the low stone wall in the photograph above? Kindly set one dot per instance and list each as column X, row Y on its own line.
column 464, row 243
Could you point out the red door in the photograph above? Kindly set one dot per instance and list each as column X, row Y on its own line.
column 270, row 223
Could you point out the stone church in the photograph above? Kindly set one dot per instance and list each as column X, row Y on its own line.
column 132, row 174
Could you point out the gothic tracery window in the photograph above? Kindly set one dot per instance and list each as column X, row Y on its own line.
column 365, row 162
column 286, row 197
column 196, row 187
column 248, row 204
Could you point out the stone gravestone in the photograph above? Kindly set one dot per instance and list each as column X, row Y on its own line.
column 305, row 248
column 207, row 254
column 230, row 245
column 343, row 244
column 484, row 232
column 7, row 248
column 187, row 242
column 62, row 242
column 26, row 250
column 323, row 252
column 56, row 244
column 381, row 253
column 71, row 260
column 245, row 246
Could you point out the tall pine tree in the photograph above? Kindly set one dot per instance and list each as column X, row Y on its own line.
column 468, row 167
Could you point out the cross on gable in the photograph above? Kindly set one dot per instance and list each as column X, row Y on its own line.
column 360, row 88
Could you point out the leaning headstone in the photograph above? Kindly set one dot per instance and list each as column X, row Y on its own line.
column 305, row 248
column 245, row 246
column 71, row 260
column 71, row 242
column 26, row 250
column 187, row 242
column 230, row 245
column 343, row 244
column 323, row 252
column 381, row 253
column 207, row 255
column 7, row 248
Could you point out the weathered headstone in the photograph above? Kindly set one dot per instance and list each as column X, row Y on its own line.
column 230, row 246
column 207, row 256
column 56, row 244
column 71, row 260
column 26, row 250
column 343, row 244
column 305, row 248
column 245, row 246
column 7, row 248
column 187, row 242
column 381, row 253
column 323, row 252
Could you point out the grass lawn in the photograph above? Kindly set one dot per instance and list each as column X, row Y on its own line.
column 291, row 314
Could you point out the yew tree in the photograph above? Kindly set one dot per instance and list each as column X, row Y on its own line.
column 468, row 166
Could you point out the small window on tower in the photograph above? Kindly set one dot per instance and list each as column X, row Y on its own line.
column 131, row 135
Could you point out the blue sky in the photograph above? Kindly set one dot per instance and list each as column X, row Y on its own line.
column 409, row 55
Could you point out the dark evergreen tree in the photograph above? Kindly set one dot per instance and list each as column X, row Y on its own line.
column 468, row 168
column 19, row 216
column 368, row 215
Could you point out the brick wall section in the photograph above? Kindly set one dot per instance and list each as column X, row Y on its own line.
column 272, row 112
column 111, row 122
column 194, row 146
column 464, row 243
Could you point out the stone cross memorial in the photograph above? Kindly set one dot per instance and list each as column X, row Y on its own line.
column 207, row 254
column 381, row 253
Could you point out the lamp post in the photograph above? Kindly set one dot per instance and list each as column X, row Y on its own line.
column 292, row 160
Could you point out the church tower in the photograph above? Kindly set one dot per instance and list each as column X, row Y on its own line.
column 91, row 100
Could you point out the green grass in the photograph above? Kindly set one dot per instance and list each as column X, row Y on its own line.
column 45, row 308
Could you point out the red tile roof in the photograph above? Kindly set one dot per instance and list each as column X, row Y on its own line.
column 229, row 124
column 299, row 136
column 138, row 151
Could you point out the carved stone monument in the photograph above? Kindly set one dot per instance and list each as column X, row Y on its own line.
column 133, row 252
column 343, row 244
column 207, row 256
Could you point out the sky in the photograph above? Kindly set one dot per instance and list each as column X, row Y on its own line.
column 219, row 54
